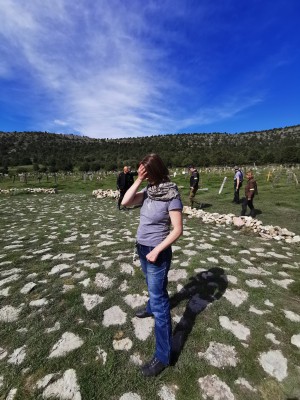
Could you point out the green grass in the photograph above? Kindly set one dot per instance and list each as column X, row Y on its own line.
column 44, row 222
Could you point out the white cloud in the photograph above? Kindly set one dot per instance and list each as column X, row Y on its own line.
column 100, row 68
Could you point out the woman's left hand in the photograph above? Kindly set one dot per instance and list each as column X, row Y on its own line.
column 152, row 256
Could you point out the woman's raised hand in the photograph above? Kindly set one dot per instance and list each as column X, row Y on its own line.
column 142, row 174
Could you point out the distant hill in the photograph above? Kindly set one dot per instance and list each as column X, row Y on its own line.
column 64, row 152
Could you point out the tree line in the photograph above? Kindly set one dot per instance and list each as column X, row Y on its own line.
column 57, row 152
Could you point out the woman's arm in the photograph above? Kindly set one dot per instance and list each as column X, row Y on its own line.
column 131, row 196
column 176, row 232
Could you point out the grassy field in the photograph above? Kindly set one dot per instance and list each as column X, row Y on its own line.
column 278, row 202
column 69, row 289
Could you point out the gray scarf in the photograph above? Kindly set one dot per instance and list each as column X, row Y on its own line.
column 165, row 191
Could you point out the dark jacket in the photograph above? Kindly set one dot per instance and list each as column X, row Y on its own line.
column 124, row 181
column 194, row 179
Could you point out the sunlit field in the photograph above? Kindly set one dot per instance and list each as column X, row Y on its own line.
column 69, row 290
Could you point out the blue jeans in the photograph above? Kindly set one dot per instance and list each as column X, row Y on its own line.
column 156, row 275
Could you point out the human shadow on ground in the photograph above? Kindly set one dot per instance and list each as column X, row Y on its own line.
column 203, row 289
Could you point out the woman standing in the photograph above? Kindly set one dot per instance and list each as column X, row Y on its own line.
column 161, row 208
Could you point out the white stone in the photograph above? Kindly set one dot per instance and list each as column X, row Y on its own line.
column 39, row 302
column 284, row 283
column 232, row 279
column 272, row 337
column 257, row 311
column 9, row 279
column 101, row 355
column 274, row 363
column 135, row 300
column 9, row 313
column 268, row 303
column 59, row 268
column 103, row 282
column 67, row 343
column 295, row 340
column 65, row 388
column 291, row 316
column 213, row 260
column 245, row 383
column 122, row 344
column 236, row 296
column 168, row 392
column 130, row 396
column 239, row 330
column 55, row 328
column 114, row 316
column 213, row 388
column 228, row 260
column 5, row 292
column 124, row 286
column 220, row 355
column 175, row 275
column 64, row 256
column 255, row 271
column 3, row 353
column 91, row 300
column 205, row 246
column 28, row 287
column 18, row 356
column 127, row 269
column 43, row 382
column 11, row 394
column 142, row 327
column 136, row 359
column 255, row 283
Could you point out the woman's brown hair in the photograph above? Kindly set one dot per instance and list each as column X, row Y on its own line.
column 156, row 170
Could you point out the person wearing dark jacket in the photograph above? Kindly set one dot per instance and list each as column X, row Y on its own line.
column 194, row 183
column 250, row 191
column 124, row 182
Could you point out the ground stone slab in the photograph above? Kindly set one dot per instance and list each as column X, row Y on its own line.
column 9, row 313
column 243, row 382
column 135, row 300
column 122, row 344
column 130, row 396
column 58, row 268
column 255, row 283
column 142, row 327
column 236, row 296
column 3, row 353
column 213, row 388
column 272, row 337
column 90, row 301
column 39, row 302
column 295, row 340
column 101, row 355
column 103, row 282
column 274, row 363
column 65, row 388
column 239, row 330
column 220, row 355
column 175, row 275
column 28, row 287
column 114, row 316
column 291, row 316
column 11, row 394
column 284, row 283
column 168, row 392
column 228, row 260
column 67, row 343
column 18, row 356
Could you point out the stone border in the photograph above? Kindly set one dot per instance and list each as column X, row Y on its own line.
column 29, row 190
column 267, row 232
column 101, row 194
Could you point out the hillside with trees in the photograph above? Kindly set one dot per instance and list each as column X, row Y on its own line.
column 53, row 152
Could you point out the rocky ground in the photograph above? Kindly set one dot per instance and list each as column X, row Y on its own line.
column 69, row 289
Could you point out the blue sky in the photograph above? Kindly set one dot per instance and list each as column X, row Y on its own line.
column 126, row 68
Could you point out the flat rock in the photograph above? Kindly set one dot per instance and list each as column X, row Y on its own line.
column 68, row 342
column 122, row 344
column 295, row 340
column 238, row 329
column 175, row 275
column 135, row 300
column 9, row 313
column 167, row 392
column 236, row 296
column 142, row 327
column 213, row 388
column 130, row 396
column 220, row 355
column 18, row 356
column 103, row 282
column 274, row 364
column 114, row 316
column 65, row 388
column 90, row 301
column 291, row 316
column 28, row 287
